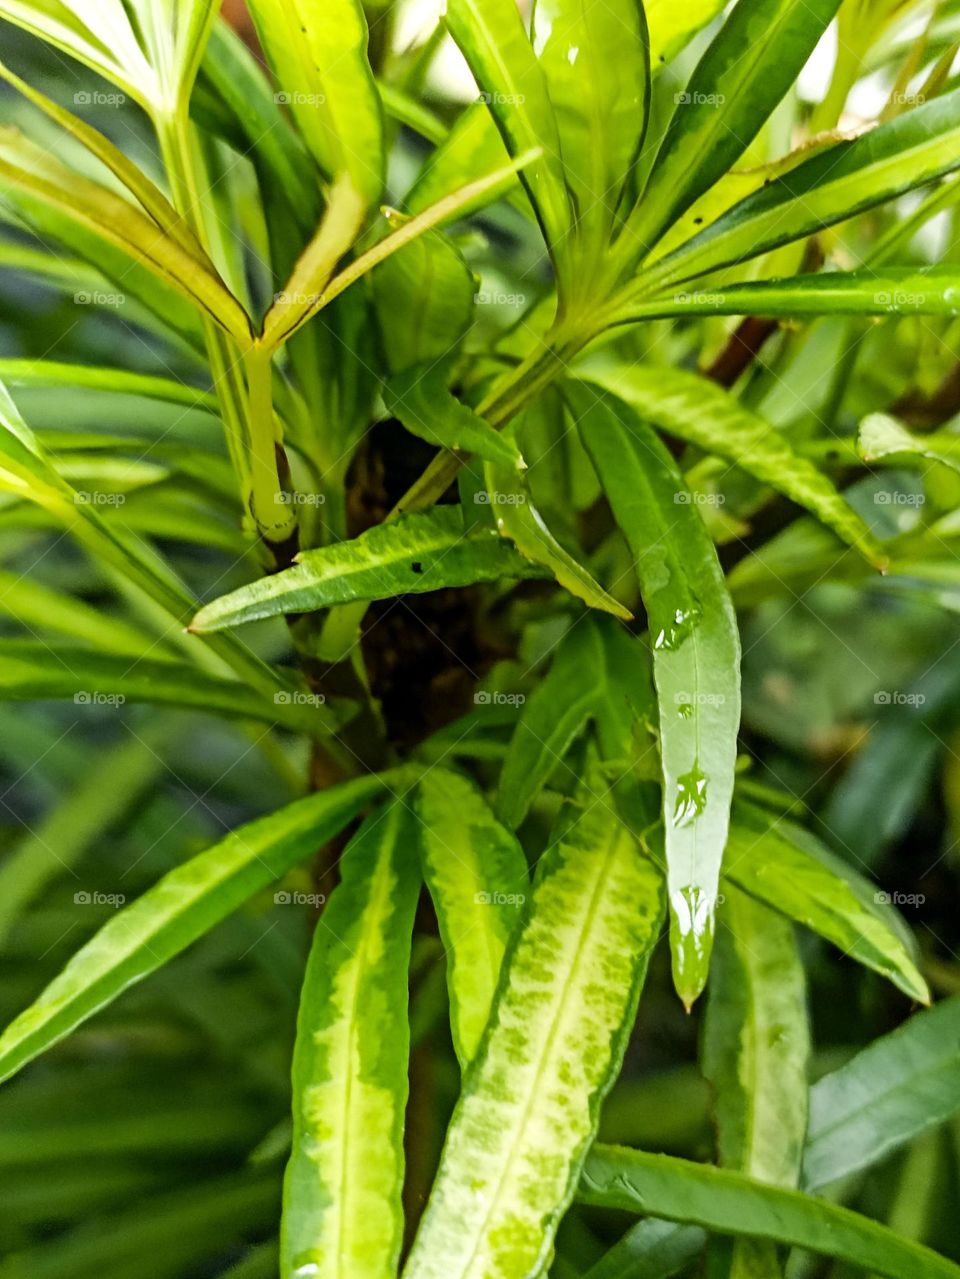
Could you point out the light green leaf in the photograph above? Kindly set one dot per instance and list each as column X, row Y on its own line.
column 420, row 399
column 38, row 180
column 528, row 1110
column 34, row 605
column 342, row 1193
column 891, row 291
column 44, row 373
column 596, row 62
column 730, row 1203
column 750, row 65
column 834, row 184
column 673, row 26
column 491, row 36
column 520, row 521
column 898, row 1087
column 424, row 297
column 183, row 906
column 30, row 672
column 696, row 663
column 776, row 861
column 755, row 1049
column 319, row 61
column 473, row 145
column 420, row 552
column 477, row 876
column 881, row 437
column 697, row 410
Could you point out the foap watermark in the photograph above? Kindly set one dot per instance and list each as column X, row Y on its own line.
column 97, row 98
column 699, row 299
column 688, row 497
column 293, row 98
column 498, row 297
column 886, row 498
column 699, row 699
column 487, row 497
column 96, row 898
column 486, row 697
column 296, row 697
column 289, row 298
column 894, row 697
column 92, row 697
column 899, row 299
column 98, row 297
column 697, row 99
column 899, row 899
column 83, row 498
column 292, row 897
column 299, row 499
column 503, row 99
column 499, row 899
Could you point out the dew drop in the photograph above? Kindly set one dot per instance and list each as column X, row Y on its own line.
column 673, row 635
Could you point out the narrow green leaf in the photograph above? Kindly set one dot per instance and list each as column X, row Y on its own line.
column 29, row 671
column 890, row 291
column 183, row 906
column 477, row 876
column 36, row 606
column 696, row 663
column 897, row 1088
column 651, row 1249
column 342, row 1193
column 491, row 36
column 528, row 1110
column 473, row 145
column 730, row 1203
column 39, row 179
column 755, row 1049
column 520, row 521
column 420, row 552
column 780, row 864
column 596, row 61
column 834, row 184
column 749, row 66
column 882, row 438
column 319, row 62
column 46, row 372
column 420, row 399
column 697, row 410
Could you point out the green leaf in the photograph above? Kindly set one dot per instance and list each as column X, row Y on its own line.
column 477, row 876
column 834, row 184
column 30, row 672
column 529, row 1106
column 730, row 1203
column 424, row 298
column 38, row 180
column 46, row 373
column 673, row 26
column 891, row 291
column 779, row 863
column 651, row 1249
column 491, row 36
column 596, row 61
column 699, row 411
column 36, row 606
column 183, row 906
column 882, row 438
column 755, row 1049
column 420, row 399
column 319, row 62
column 897, row 1088
column 696, row 663
column 749, row 66
column 473, row 145
column 420, row 552
column 520, row 521
column 342, row 1193
column 599, row 672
